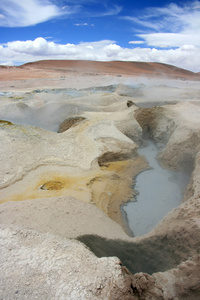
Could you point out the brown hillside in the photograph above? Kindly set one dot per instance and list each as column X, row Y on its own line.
column 58, row 68
column 113, row 67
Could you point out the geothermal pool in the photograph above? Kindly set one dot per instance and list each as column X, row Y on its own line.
column 159, row 191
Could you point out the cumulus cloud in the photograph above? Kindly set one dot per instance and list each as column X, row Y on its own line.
column 170, row 26
column 104, row 50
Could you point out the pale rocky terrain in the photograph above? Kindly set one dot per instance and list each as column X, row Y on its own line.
column 62, row 232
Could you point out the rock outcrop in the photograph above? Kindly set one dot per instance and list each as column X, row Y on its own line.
column 70, row 122
column 46, row 266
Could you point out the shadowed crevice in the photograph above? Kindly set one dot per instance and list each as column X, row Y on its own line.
column 155, row 254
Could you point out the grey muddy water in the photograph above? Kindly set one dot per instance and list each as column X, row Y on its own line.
column 159, row 191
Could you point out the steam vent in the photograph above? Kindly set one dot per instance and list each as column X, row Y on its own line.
column 99, row 181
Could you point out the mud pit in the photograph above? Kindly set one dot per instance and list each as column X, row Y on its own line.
column 158, row 191
column 94, row 161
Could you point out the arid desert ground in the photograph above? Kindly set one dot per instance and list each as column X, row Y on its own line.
column 70, row 134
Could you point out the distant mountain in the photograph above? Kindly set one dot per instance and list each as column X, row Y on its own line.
column 123, row 68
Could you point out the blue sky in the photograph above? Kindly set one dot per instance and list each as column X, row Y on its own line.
column 159, row 31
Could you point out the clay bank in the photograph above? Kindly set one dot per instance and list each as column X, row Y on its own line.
column 70, row 161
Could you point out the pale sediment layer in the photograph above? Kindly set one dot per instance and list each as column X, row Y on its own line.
column 47, row 164
column 71, row 181
column 107, row 188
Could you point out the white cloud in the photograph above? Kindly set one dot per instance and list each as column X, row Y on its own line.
column 136, row 42
column 112, row 50
column 22, row 13
column 27, row 12
column 144, row 23
column 170, row 26
column 171, row 39
column 112, row 11
column 81, row 24
column 187, row 56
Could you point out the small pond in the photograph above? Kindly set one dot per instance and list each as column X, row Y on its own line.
column 159, row 191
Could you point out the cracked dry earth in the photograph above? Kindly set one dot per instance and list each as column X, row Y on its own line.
column 62, row 233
